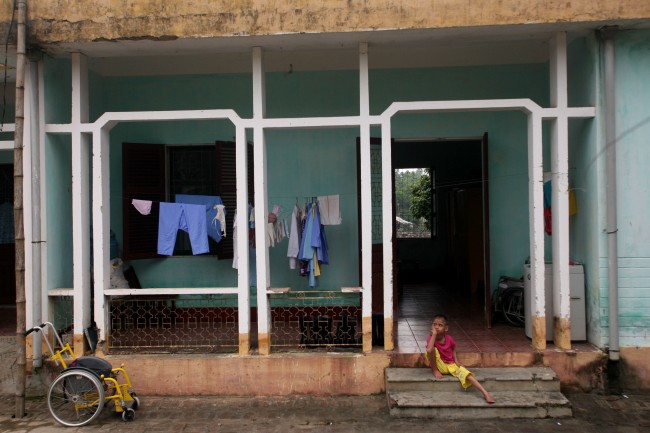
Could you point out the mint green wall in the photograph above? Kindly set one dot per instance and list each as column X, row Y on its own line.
column 587, row 174
column 312, row 94
column 305, row 163
column 58, row 203
column 57, row 187
column 633, row 187
column 57, row 93
column 585, row 164
column 6, row 156
column 454, row 83
column 314, row 162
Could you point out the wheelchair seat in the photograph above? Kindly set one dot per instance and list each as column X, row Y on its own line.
column 98, row 366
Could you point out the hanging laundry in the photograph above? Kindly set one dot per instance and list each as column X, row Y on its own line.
column 181, row 216
column 270, row 226
column 294, row 237
column 142, row 206
column 548, row 212
column 313, row 248
column 210, row 202
column 274, row 227
column 329, row 209
column 252, row 268
column 219, row 220
column 548, row 209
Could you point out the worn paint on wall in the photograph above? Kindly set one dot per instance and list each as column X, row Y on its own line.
column 584, row 174
column 633, row 194
column 55, row 21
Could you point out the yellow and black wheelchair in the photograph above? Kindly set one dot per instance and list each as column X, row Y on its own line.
column 86, row 384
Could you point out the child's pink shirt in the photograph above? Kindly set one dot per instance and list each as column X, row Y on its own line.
column 446, row 349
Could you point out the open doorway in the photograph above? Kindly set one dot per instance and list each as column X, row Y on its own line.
column 441, row 220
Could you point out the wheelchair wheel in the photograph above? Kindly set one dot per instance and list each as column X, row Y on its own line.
column 75, row 398
column 513, row 307
column 128, row 414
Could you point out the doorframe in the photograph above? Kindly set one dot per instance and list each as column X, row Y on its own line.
column 482, row 141
column 486, row 230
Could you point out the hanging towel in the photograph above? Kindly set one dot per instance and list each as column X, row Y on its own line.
column 181, row 216
column 330, row 211
column 143, row 206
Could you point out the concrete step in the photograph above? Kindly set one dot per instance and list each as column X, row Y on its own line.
column 494, row 379
column 463, row 405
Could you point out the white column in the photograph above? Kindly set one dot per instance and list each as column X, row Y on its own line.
column 536, row 227
column 101, row 220
column 243, row 280
column 366, row 203
column 560, row 194
column 387, row 223
column 80, row 201
column 261, row 205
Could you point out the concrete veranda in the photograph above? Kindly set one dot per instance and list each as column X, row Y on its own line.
column 627, row 413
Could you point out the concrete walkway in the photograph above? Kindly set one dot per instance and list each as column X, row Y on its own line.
column 592, row 412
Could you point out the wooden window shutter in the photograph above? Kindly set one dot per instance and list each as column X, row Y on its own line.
column 227, row 188
column 143, row 178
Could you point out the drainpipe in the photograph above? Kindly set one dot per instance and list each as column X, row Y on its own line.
column 35, row 152
column 607, row 34
column 21, row 359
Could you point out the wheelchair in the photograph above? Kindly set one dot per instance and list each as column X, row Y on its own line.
column 87, row 384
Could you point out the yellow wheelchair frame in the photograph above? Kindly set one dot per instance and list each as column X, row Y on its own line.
column 78, row 394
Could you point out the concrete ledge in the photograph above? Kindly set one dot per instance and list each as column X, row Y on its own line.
column 286, row 374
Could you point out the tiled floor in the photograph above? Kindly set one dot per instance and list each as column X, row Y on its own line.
column 418, row 303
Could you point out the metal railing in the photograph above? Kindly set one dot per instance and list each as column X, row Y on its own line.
column 325, row 320
column 191, row 324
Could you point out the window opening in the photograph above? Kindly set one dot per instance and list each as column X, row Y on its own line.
column 191, row 171
column 415, row 203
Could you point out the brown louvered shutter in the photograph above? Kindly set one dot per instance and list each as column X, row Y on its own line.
column 227, row 187
column 143, row 178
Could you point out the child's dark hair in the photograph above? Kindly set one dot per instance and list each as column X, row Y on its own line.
column 441, row 316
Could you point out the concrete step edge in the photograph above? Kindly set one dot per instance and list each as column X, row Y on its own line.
column 453, row 385
column 481, row 373
column 474, row 399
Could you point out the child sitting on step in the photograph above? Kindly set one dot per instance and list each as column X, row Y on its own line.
column 441, row 350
